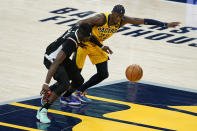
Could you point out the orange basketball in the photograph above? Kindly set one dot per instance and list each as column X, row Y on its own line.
column 134, row 73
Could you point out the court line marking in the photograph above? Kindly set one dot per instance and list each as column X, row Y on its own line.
column 82, row 117
column 52, row 111
column 18, row 127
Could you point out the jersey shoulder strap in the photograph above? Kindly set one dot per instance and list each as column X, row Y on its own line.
column 105, row 15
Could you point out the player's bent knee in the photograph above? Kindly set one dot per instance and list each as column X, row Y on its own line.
column 106, row 75
column 103, row 75
column 61, row 88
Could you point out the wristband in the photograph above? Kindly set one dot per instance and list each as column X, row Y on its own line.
column 46, row 84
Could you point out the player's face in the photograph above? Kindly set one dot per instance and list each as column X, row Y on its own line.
column 116, row 17
column 85, row 39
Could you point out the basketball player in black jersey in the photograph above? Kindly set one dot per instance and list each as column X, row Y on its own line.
column 61, row 68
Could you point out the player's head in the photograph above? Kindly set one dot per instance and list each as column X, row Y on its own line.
column 117, row 13
column 84, row 32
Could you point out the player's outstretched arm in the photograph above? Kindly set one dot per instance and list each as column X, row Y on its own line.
column 138, row 21
column 173, row 24
column 132, row 20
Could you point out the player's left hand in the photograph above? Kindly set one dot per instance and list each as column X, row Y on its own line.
column 173, row 24
column 45, row 89
column 107, row 49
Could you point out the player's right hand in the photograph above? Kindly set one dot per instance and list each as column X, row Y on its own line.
column 107, row 49
column 45, row 89
column 173, row 24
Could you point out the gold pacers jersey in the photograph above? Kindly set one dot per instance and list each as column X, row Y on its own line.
column 95, row 53
column 105, row 31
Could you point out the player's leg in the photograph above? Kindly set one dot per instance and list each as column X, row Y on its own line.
column 102, row 73
column 63, row 84
column 77, row 80
column 99, row 58
column 79, row 60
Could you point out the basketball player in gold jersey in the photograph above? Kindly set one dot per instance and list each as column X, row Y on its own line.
column 104, row 25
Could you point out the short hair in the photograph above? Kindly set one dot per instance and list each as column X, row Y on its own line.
column 119, row 9
column 85, row 29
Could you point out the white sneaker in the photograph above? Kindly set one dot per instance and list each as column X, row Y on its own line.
column 42, row 116
column 38, row 114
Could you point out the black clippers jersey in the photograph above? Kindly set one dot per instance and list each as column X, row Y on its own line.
column 67, row 42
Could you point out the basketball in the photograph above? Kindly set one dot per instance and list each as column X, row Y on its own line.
column 134, row 73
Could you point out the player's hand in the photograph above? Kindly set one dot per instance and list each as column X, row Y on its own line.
column 107, row 49
column 173, row 24
column 84, row 93
column 45, row 89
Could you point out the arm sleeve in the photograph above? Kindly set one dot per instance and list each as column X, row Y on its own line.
column 154, row 22
column 95, row 41
column 69, row 47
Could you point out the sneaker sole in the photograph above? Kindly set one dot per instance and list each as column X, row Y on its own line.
column 83, row 100
column 40, row 120
column 74, row 104
column 66, row 103
column 37, row 117
column 62, row 102
column 45, row 122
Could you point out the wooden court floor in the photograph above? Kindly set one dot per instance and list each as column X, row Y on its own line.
column 165, row 99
